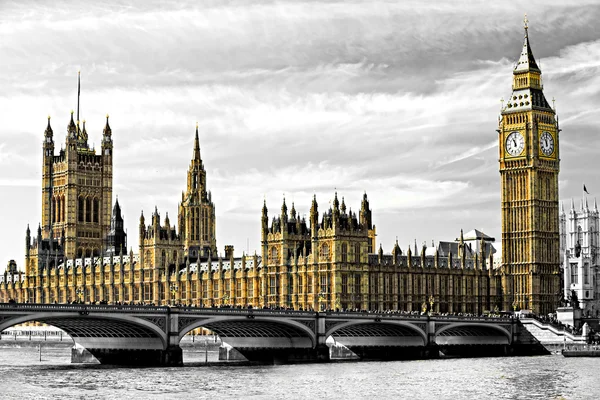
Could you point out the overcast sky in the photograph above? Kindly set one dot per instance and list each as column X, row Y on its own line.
column 398, row 99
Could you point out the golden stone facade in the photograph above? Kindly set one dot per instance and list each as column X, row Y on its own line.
column 529, row 166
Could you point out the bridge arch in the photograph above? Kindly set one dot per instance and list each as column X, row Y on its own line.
column 411, row 334
column 98, row 330
column 265, row 331
column 472, row 329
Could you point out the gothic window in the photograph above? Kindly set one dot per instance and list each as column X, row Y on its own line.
column 216, row 290
column 164, row 258
column 344, row 283
column 586, row 274
column 148, row 258
column 272, row 285
column 580, row 235
column 274, row 255
column 96, row 211
column 357, row 253
column 147, row 293
column 62, row 209
column 574, row 273
column 250, row 293
column 324, row 284
column 357, row 284
column 80, row 210
column 325, row 251
column 88, row 210
column 344, row 252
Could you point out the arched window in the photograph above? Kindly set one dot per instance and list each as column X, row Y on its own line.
column 88, row 210
column 164, row 258
column 344, row 252
column 274, row 255
column 357, row 253
column 62, row 209
column 325, row 251
column 148, row 258
column 80, row 210
column 96, row 212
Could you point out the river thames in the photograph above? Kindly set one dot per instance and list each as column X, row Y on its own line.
column 24, row 376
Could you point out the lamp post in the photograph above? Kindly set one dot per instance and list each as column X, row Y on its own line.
column 321, row 298
column 431, row 302
column 515, row 304
column 80, row 292
column 173, row 288
column 225, row 299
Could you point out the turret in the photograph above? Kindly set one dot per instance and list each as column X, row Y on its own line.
column 48, row 140
column 265, row 220
column 284, row 216
column 365, row 213
column 27, row 241
column 314, row 217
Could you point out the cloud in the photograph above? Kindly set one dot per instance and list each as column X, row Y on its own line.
column 398, row 99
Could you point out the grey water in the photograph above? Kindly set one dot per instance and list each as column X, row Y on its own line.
column 24, row 376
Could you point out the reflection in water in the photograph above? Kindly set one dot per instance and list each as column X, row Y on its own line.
column 547, row 377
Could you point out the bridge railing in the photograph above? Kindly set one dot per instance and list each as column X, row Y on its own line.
column 244, row 311
column 400, row 315
column 81, row 307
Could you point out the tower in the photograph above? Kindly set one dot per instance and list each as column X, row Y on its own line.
column 197, row 211
column 580, row 255
column 528, row 137
column 116, row 240
column 77, row 189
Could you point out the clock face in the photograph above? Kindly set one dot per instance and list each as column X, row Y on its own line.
column 547, row 143
column 515, row 143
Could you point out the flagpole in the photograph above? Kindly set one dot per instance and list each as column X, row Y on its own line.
column 78, row 91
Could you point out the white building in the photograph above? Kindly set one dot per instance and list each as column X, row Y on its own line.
column 579, row 241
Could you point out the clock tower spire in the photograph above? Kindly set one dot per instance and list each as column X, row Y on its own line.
column 528, row 136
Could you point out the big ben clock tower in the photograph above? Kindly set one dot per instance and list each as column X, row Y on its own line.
column 529, row 165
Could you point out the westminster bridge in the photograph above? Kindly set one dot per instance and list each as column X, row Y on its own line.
column 149, row 335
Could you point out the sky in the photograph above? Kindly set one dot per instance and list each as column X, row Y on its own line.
column 293, row 98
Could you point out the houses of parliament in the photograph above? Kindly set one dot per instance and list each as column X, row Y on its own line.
column 330, row 261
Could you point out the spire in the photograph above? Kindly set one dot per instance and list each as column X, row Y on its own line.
column 48, row 132
column 595, row 205
column 196, row 145
column 526, row 60
column 71, row 128
column 562, row 208
column 572, row 204
column 264, row 209
column 283, row 207
column 107, row 131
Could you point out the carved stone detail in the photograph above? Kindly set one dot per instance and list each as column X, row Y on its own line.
column 331, row 324
column 158, row 321
column 310, row 324
column 183, row 322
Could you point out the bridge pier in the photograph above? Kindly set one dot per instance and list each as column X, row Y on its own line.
column 171, row 357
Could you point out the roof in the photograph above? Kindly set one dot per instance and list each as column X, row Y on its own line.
column 526, row 60
column 475, row 234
